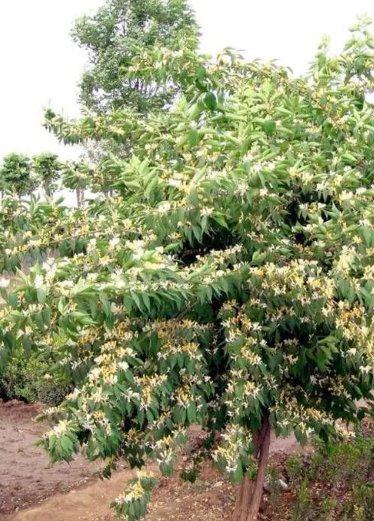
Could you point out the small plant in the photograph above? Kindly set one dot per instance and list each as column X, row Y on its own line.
column 303, row 508
column 318, row 466
column 274, row 485
column 349, row 463
column 358, row 514
column 295, row 469
column 327, row 509
column 363, row 499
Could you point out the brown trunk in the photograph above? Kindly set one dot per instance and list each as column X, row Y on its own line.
column 80, row 195
column 243, row 499
column 249, row 496
column 258, row 488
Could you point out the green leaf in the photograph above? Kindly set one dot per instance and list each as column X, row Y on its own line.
column 42, row 295
column 201, row 73
column 9, row 341
column 269, row 127
column 191, row 413
column 193, row 137
column 210, row 101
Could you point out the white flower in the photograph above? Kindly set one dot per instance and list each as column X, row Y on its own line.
column 123, row 365
column 4, row 283
column 164, row 207
column 174, row 182
column 114, row 242
column 61, row 428
column 94, row 374
column 91, row 246
column 39, row 282
column 346, row 196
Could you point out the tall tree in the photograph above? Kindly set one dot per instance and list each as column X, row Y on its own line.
column 114, row 35
column 47, row 168
column 15, row 174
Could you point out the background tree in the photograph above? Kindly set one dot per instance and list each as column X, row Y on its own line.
column 114, row 35
column 15, row 174
column 117, row 32
column 47, row 169
column 230, row 281
column 76, row 176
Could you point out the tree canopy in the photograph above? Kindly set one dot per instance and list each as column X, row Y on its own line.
column 116, row 33
column 15, row 174
column 230, row 280
column 47, row 168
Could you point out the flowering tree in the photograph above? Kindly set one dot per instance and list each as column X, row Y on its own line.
column 229, row 283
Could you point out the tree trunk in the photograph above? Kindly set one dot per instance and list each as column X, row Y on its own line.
column 80, row 196
column 47, row 189
column 249, row 495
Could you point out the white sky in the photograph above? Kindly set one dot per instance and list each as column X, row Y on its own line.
column 41, row 66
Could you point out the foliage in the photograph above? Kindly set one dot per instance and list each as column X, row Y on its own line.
column 303, row 508
column 33, row 379
column 362, row 503
column 15, row 174
column 47, row 168
column 133, row 504
column 116, row 33
column 230, row 280
column 31, row 231
column 76, row 176
column 327, row 510
column 114, row 36
column 342, row 488
column 274, row 485
column 295, row 467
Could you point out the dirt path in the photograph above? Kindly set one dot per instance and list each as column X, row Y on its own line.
column 209, row 499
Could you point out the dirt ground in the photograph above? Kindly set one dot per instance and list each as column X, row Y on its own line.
column 26, row 476
column 74, row 494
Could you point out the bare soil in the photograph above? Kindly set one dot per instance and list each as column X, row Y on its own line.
column 26, row 476
column 27, row 480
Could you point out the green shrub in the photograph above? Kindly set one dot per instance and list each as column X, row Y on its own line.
column 319, row 466
column 348, row 463
column 361, row 506
column 30, row 379
column 327, row 509
column 295, row 469
column 275, row 485
column 303, row 508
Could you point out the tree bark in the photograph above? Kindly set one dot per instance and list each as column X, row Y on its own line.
column 249, row 495
column 80, row 195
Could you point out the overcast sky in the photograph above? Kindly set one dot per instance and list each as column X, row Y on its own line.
column 41, row 66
